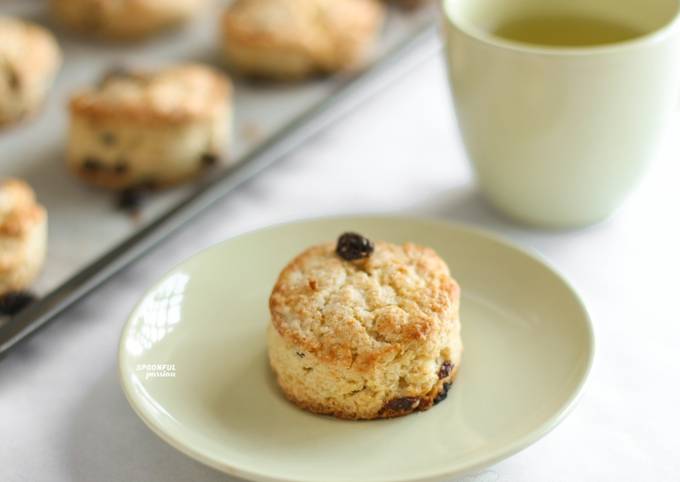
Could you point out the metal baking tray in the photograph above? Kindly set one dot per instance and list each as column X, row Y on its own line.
column 89, row 240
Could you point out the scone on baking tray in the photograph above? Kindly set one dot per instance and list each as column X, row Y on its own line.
column 23, row 236
column 149, row 128
column 29, row 60
column 292, row 39
column 363, row 331
column 124, row 19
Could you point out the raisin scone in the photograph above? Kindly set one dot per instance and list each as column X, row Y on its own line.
column 29, row 60
column 23, row 236
column 292, row 39
column 363, row 331
column 124, row 19
column 150, row 128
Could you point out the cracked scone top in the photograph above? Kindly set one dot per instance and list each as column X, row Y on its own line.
column 124, row 19
column 291, row 39
column 375, row 337
column 173, row 94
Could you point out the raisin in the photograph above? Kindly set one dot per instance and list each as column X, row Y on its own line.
column 441, row 396
column 209, row 159
column 90, row 164
column 13, row 79
column 120, row 168
column 353, row 246
column 300, row 354
column 149, row 185
column 107, row 138
column 13, row 302
column 410, row 5
column 401, row 404
column 445, row 369
column 114, row 73
column 132, row 198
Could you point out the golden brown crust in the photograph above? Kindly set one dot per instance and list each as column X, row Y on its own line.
column 173, row 95
column 19, row 211
column 27, row 48
column 23, row 235
column 29, row 59
column 361, row 313
column 294, row 38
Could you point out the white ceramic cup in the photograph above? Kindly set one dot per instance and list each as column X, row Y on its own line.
column 559, row 135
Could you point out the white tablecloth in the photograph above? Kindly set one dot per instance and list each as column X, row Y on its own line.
column 63, row 416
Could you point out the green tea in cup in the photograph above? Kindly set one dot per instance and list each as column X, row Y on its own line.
column 566, row 30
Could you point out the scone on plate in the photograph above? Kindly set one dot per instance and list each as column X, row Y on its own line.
column 124, row 19
column 364, row 331
column 150, row 128
column 291, row 39
column 23, row 236
column 29, row 60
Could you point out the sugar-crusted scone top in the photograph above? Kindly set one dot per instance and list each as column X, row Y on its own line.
column 19, row 211
column 124, row 19
column 26, row 49
column 362, row 313
column 326, row 30
column 172, row 95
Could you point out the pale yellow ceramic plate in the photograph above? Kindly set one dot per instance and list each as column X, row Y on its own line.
column 528, row 349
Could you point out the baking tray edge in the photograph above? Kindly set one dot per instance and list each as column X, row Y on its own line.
column 396, row 63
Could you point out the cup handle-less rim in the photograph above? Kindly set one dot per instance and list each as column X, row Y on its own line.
column 651, row 38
